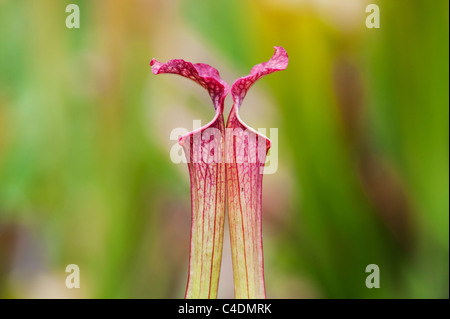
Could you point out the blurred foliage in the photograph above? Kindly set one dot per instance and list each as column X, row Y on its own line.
column 85, row 173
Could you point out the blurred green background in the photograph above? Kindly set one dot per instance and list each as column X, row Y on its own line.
column 363, row 160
